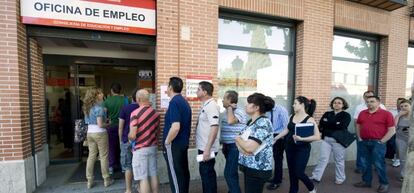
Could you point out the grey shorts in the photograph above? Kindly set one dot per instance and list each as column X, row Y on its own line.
column 144, row 162
column 126, row 157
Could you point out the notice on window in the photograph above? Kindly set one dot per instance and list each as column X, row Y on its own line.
column 128, row 16
column 192, row 85
column 165, row 99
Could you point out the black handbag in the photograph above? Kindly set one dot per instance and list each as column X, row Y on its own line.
column 344, row 137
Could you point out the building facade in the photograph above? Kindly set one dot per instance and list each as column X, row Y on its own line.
column 283, row 48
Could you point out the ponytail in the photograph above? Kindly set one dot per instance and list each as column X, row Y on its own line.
column 310, row 105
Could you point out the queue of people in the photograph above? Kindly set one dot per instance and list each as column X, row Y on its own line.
column 252, row 139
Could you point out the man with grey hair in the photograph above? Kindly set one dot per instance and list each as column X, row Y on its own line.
column 143, row 132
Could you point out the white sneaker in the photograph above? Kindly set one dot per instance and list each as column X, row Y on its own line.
column 396, row 162
column 313, row 191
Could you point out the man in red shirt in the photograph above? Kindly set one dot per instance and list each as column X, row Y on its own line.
column 375, row 127
column 143, row 131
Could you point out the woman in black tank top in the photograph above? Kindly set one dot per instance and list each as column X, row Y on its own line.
column 297, row 154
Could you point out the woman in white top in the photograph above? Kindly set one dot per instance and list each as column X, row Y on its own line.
column 97, row 135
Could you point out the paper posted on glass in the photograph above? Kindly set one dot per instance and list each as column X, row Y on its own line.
column 304, row 130
column 165, row 99
column 245, row 136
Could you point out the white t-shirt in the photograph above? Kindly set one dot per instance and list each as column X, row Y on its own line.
column 362, row 107
column 208, row 116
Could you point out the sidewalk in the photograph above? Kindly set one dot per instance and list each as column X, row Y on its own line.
column 56, row 183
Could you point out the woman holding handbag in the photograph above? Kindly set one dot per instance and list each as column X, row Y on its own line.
column 97, row 135
column 333, row 121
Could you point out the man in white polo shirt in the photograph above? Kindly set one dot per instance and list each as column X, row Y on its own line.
column 207, row 140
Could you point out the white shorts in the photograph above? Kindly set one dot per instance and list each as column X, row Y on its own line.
column 144, row 162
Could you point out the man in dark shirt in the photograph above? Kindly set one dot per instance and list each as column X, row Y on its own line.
column 375, row 127
column 176, row 136
column 126, row 154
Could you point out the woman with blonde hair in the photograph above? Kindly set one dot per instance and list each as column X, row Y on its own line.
column 97, row 135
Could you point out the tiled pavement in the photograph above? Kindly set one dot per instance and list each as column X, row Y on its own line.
column 327, row 185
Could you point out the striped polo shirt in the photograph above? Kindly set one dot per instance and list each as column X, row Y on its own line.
column 147, row 120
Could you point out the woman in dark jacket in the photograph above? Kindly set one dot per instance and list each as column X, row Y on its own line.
column 333, row 121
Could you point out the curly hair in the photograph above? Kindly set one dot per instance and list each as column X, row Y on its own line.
column 90, row 99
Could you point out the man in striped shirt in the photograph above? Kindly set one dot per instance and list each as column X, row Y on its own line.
column 232, row 121
column 143, row 132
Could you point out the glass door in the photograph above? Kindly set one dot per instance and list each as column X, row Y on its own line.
column 64, row 108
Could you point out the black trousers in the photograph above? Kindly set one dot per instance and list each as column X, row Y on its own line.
column 254, row 180
column 208, row 175
column 297, row 158
column 278, row 149
column 176, row 156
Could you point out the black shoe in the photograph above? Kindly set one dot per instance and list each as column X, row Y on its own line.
column 362, row 185
column 272, row 186
column 316, row 181
column 358, row 171
column 383, row 188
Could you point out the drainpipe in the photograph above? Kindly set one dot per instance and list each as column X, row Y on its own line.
column 30, row 93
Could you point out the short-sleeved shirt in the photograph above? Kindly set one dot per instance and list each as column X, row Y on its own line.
column 208, row 117
column 114, row 104
column 147, row 120
column 261, row 132
column 178, row 111
column 125, row 114
column 229, row 132
column 374, row 125
column 92, row 118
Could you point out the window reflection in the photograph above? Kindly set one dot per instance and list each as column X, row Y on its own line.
column 265, row 73
column 353, row 48
column 352, row 70
column 246, row 34
column 248, row 60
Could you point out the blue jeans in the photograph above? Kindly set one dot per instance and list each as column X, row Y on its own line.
column 231, row 153
column 373, row 152
column 358, row 157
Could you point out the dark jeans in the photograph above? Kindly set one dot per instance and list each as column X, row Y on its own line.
column 373, row 152
column 176, row 156
column 208, row 175
column 278, row 149
column 391, row 148
column 358, row 158
column 297, row 158
column 254, row 180
column 114, row 149
column 231, row 153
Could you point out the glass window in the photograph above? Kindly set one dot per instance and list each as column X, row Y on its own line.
column 409, row 83
column 255, row 57
column 353, row 70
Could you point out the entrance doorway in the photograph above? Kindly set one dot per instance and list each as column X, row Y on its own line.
column 71, row 66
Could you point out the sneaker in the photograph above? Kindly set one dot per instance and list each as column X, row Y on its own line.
column 339, row 182
column 313, row 191
column 362, row 185
column 396, row 163
column 108, row 182
column 90, row 184
column 383, row 188
column 111, row 171
column 272, row 186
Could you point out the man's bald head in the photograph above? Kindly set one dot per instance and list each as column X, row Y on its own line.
column 143, row 96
